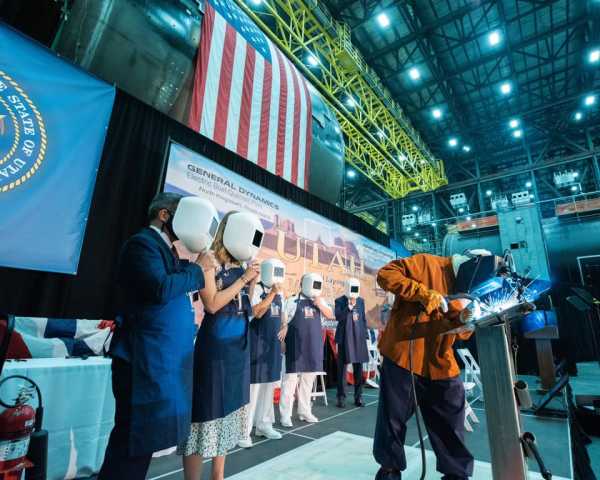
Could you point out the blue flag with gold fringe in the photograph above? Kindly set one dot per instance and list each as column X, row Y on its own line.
column 53, row 122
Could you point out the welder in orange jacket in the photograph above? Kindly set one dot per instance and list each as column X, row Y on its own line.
column 420, row 284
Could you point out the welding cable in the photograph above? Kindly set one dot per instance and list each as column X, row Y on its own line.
column 416, row 401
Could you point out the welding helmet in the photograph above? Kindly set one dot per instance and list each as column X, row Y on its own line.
column 272, row 271
column 243, row 236
column 473, row 270
column 195, row 223
column 312, row 285
column 352, row 288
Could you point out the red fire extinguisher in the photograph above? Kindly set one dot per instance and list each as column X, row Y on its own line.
column 20, row 431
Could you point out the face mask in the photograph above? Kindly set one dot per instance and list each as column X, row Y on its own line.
column 243, row 236
column 312, row 285
column 168, row 226
column 195, row 223
column 352, row 288
column 272, row 271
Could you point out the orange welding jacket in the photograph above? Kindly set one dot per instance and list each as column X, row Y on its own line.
column 410, row 279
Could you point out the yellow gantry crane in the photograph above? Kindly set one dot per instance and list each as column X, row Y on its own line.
column 380, row 141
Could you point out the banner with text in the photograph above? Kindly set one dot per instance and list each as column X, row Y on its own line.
column 53, row 121
column 304, row 240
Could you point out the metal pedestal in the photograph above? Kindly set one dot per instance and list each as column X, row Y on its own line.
column 502, row 413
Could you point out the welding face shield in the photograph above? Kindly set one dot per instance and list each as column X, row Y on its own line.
column 474, row 272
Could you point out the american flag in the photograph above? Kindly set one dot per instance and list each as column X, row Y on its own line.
column 249, row 97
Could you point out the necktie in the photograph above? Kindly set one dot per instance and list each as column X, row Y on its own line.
column 174, row 250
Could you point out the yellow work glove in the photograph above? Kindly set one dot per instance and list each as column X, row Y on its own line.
column 431, row 301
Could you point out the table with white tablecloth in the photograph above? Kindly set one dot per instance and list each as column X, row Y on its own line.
column 78, row 410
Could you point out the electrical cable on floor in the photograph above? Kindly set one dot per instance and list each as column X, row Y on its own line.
column 416, row 401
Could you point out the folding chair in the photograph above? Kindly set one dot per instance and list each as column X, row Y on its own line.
column 320, row 378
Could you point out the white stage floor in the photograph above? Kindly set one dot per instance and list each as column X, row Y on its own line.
column 344, row 456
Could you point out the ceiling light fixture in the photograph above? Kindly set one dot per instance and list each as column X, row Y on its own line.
column 494, row 38
column 590, row 100
column 383, row 20
column 466, row 148
column 514, row 123
column 518, row 133
column 414, row 73
column 506, row 88
column 578, row 116
column 453, row 142
column 437, row 113
column 594, row 55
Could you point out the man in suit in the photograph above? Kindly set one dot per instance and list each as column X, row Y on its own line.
column 351, row 339
column 152, row 348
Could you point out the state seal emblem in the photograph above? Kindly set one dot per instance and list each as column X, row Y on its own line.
column 23, row 139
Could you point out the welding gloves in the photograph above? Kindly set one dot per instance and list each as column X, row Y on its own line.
column 432, row 300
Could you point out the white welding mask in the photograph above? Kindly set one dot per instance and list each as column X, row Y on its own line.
column 312, row 285
column 195, row 223
column 272, row 271
column 352, row 288
column 243, row 236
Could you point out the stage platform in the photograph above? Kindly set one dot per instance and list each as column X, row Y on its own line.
column 339, row 448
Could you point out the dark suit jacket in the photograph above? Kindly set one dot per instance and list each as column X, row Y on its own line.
column 149, row 277
column 341, row 312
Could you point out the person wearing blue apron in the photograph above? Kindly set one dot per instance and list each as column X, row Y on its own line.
column 221, row 356
column 152, row 347
column 351, row 339
column 267, row 330
column 303, row 348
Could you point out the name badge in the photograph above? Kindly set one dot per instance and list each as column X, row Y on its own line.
column 275, row 310
column 355, row 316
column 309, row 312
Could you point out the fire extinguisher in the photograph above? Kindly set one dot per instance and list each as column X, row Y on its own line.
column 23, row 443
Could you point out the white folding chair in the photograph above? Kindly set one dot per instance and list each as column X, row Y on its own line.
column 320, row 378
column 374, row 362
column 472, row 380
column 469, row 414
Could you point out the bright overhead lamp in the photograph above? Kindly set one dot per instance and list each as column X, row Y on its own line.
column 494, row 38
column 575, row 174
column 574, row 188
column 402, row 157
column 350, row 102
column 424, row 240
column 594, row 56
column 531, row 196
column 415, row 208
column 589, row 100
column 578, row 116
column 416, row 234
column 383, row 20
column 528, row 184
column 351, row 174
column 414, row 73
column 518, row 133
column 453, row 142
column 466, row 148
column 473, row 225
column 380, row 133
column 408, row 229
column 461, row 210
column 488, row 193
column 433, row 224
column 506, row 88
column 514, row 123
column 468, row 218
column 437, row 113
column 314, row 61
column 256, row 2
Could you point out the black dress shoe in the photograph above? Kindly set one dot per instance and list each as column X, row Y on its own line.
column 359, row 403
column 341, row 402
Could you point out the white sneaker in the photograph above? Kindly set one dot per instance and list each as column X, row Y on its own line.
column 269, row 432
column 308, row 418
column 245, row 443
column 286, row 422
